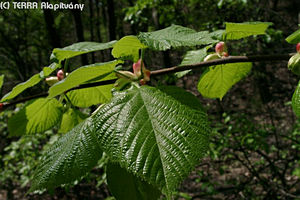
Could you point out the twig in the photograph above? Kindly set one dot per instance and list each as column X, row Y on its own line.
column 230, row 59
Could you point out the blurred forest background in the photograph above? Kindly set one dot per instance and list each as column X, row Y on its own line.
column 255, row 148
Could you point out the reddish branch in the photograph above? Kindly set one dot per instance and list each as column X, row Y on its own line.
column 230, row 59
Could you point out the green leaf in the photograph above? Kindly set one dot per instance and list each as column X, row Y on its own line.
column 36, row 117
column 236, row 31
column 296, row 101
column 70, row 119
column 35, row 79
column 48, row 70
column 152, row 135
column 219, row 79
column 192, row 57
column 1, row 80
column 175, row 36
column 182, row 96
column 90, row 96
column 78, row 49
column 102, row 71
column 218, row 34
column 294, row 38
column 124, row 185
column 68, row 159
column 128, row 47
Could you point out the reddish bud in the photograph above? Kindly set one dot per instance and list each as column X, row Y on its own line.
column 1, row 107
column 225, row 54
column 142, row 82
column 60, row 75
column 137, row 67
column 221, row 47
column 298, row 47
column 147, row 74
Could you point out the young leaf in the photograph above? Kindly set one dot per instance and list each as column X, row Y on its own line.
column 175, row 36
column 294, row 38
column 219, row 79
column 87, row 97
column 296, row 101
column 70, row 119
column 35, row 79
column 236, row 31
column 78, row 49
column 1, row 80
column 152, row 135
column 83, row 74
column 128, row 46
column 124, row 185
column 36, row 117
column 68, row 159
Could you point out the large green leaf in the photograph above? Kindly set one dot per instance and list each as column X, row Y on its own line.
column 90, row 96
column 128, row 47
column 153, row 135
column 175, row 36
column 219, row 79
column 70, row 119
column 296, row 101
column 1, row 80
column 294, row 38
column 236, row 31
column 35, row 79
column 79, row 48
column 124, row 186
column 102, row 71
column 68, row 159
column 36, row 117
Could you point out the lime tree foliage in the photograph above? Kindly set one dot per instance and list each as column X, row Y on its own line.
column 154, row 136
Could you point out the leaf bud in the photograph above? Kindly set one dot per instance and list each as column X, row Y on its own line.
column 60, row 75
column 51, row 80
column 294, row 64
column 220, row 48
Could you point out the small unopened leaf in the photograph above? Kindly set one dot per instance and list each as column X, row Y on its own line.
column 294, row 38
column 219, row 79
column 236, row 31
column 152, row 135
column 36, row 117
column 79, row 48
column 175, row 36
column 68, row 159
column 296, row 101
column 128, row 47
column 102, row 71
column 124, row 185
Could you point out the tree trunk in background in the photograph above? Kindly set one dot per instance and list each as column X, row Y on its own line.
column 111, row 20
column 52, row 33
column 92, row 26
column 98, row 32
column 79, row 29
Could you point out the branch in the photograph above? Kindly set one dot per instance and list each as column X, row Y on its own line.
column 230, row 59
